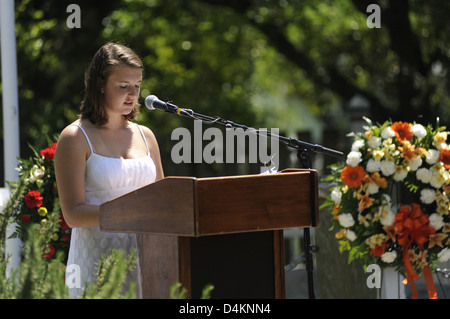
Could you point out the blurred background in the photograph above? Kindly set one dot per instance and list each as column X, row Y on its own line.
column 310, row 68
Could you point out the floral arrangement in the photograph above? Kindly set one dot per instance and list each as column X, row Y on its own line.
column 38, row 201
column 390, row 200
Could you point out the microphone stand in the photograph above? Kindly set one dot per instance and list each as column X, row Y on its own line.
column 302, row 147
column 303, row 156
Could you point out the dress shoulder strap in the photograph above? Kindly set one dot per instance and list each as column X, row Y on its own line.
column 143, row 136
column 85, row 135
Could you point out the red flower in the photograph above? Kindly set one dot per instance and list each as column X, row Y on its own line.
column 33, row 199
column 444, row 157
column 50, row 253
column 62, row 222
column 25, row 218
column 49, row 152
column 353, row 176
column 402, row 131
column 379, row 250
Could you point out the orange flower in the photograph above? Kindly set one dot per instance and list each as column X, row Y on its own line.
column 336, row 209
column 444, row 157
column 436, row 239
column 353, row 176
column 446, row 189
column 446, row 229
column 402, row 131
column 380, row 181
column 391, row 232
column 340, row 234
column 408, row 150
column 364, row 201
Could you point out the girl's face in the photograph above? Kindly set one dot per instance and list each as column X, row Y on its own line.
column 121, row 90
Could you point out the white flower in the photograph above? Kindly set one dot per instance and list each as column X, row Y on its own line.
column 415, row 163
column 353, row 158
column 387, row 198
column 357, row 145
column 372, row 188
column 387, row 218
column 374, row 142
column 36, row 173
column 423, row 175
column 350, row 235
column 378, row 154
column 419, row 131
column 336, row 195
column 437, row 221
column 387, row 167
column 375, row 240
column 438, row 177
column 373, row 165
column 389, row 256
column 440, row 139
column 387, row 133
column 444, row 255
column 432, row 156
column 346, row 220
column 400, row 174
column 427, row 195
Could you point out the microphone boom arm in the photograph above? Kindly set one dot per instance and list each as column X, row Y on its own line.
column 291, row 142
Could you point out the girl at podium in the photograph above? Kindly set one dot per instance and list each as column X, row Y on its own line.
column 101, row 156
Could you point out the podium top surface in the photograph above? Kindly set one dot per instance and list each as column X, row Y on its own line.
column 190, row 206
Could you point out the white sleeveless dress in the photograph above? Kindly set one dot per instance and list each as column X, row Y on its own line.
column 106, row 179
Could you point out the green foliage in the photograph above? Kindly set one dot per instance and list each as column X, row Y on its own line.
column 110, row 277
column 8, row 212
column 37, row 278
column 177, row 291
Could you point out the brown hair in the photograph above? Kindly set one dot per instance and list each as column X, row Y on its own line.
column 108, row 57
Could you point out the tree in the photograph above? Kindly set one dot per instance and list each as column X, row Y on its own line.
column 400, row 68
column 246, row 60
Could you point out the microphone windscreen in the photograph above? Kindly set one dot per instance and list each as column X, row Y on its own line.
column 149, row 100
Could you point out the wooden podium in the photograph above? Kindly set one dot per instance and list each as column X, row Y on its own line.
column 224, row 231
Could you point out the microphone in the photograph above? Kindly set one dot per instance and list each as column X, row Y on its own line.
column 152, row 102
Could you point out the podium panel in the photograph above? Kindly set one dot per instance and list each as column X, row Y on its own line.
column 237, row 265
column 224, row 231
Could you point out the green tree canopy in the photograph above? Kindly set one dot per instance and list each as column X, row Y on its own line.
column 261, row 63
